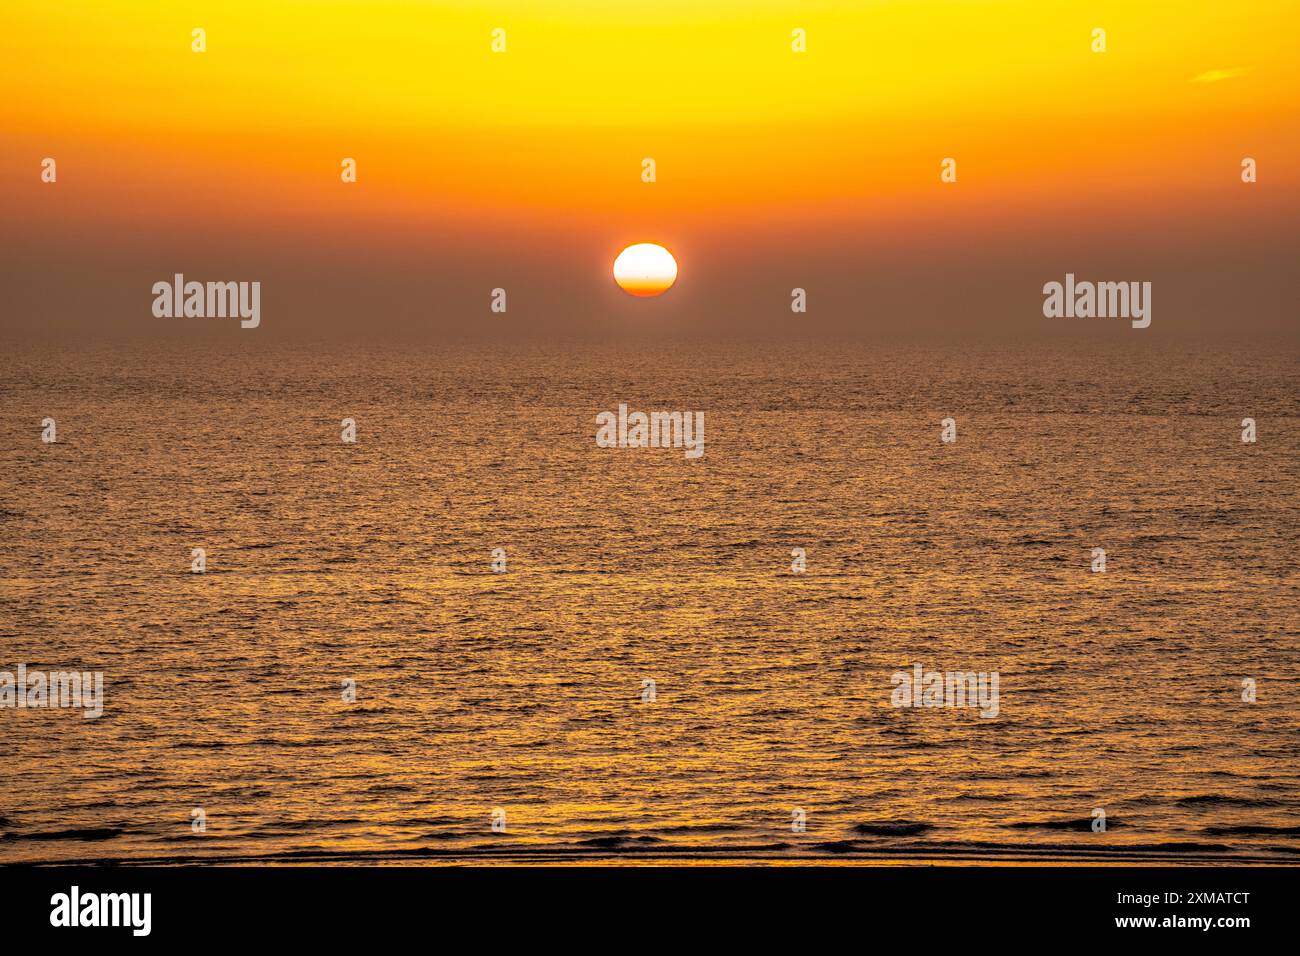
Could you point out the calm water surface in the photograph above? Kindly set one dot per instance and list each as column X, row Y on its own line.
column 522, row 691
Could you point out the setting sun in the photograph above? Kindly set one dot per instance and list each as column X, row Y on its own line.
column 645, row 269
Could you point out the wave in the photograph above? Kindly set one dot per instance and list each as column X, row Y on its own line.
column 900, row 828
column 618, row 841
column 1225, row 800
column 1252, row 830
column 1084, row 824
column 624, row 847
column 87, row 834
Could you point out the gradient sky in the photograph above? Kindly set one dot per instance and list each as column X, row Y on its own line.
column 775, row 169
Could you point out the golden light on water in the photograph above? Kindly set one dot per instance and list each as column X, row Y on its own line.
column 645, row 269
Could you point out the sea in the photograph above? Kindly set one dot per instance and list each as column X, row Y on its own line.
column 473, row 635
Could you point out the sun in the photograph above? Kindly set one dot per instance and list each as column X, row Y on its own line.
column 645, row 269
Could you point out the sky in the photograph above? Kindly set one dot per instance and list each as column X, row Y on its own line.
column 775, row 169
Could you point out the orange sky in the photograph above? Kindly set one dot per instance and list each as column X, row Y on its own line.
column 524, row 167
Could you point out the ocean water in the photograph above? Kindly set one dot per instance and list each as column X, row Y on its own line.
column 523, row 691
